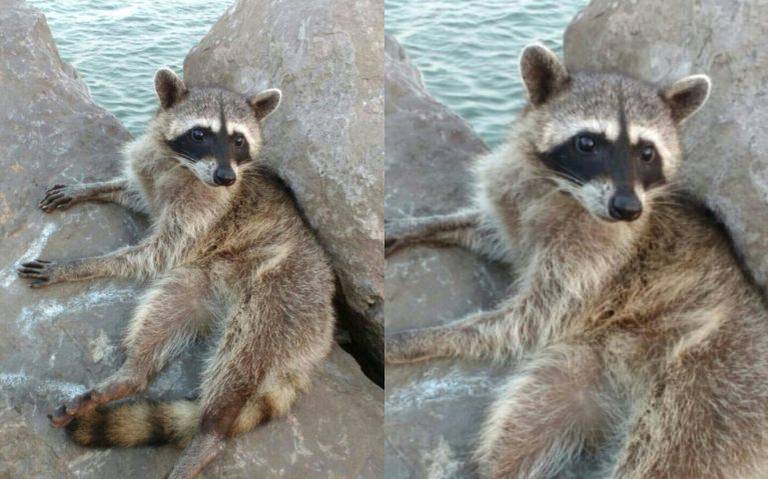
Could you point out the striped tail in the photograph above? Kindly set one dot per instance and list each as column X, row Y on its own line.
column 137, row 423
column 147, row 422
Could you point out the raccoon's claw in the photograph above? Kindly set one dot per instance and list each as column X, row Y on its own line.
column 57, row 197
column 59, row 417
column 64, row 414
column 40, row 271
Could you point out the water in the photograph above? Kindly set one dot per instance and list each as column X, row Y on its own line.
column 468, row 51
column 117, row 46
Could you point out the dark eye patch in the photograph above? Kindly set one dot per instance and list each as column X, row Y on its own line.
column 240, row 149
column 573, row 161
column 649, row 171
column 603, row 158
column 189, row 145
column 219, row 145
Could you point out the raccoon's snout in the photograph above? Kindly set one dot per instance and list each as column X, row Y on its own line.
column 224, row 176
column 625, row 207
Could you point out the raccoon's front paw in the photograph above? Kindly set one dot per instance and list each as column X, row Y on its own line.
column 42, row 273
column 60, row 197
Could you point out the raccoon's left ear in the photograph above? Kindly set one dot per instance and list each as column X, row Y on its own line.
column 544, row 75
column 686, row 96
column 169, row 86
column 265, row 102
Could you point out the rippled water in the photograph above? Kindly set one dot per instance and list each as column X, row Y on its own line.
column 117, row 46
column 468, row 50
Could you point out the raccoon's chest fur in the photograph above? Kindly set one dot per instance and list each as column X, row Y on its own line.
column 681, row 286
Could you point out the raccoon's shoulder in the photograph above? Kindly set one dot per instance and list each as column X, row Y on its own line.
column 685, row 220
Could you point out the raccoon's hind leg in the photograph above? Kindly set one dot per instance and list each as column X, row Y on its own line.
column 169, row 317
column 234, row 416
column 272, row 342
column 456, row 229
column 707, row 414
column 118, row 191
column 546, row 416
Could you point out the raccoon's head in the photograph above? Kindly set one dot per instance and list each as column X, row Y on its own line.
column 214, row 133
column 610, row 141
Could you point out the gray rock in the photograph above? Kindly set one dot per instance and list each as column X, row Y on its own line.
column 57, row 341
column 432, row 409
column 327, row 138
column 727, row 141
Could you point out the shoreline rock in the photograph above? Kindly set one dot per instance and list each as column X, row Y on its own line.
column 432, row 409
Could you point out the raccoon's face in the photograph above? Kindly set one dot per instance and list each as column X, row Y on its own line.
column 212, row 132
column 610, row 141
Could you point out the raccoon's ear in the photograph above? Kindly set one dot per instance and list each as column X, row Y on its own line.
column 169, row 87
column 686, row 96
column 544, row 75
column 265, row 102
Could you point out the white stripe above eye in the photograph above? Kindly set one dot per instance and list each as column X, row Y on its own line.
column 180, row 126
column 566, row 130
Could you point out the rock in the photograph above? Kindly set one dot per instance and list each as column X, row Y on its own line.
column 433, row 409
column 727, row 141
column 327, row 138
column 55, row 342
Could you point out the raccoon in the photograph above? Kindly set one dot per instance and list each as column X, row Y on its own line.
column 228, row 250
column 642, row 342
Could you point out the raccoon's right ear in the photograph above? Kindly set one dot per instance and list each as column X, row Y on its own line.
column 169, row 87
column 544, row 75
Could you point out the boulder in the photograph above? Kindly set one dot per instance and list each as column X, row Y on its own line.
column 327, row 138
column 433, row 409
column 56, row 341
column 726, row 142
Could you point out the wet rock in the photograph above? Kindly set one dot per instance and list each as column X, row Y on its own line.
column 726, row 142
column 56, row 341
column 327, row 138
column 433, row 409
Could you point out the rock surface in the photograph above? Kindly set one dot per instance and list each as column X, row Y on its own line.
column 56, row 341
column 327, row 138
column 432, row 409
column 727, row 141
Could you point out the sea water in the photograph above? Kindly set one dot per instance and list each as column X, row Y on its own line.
column 117, row 46
column 468, row 50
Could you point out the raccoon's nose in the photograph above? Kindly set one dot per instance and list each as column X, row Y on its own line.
column 224, row 176
column 625, row 207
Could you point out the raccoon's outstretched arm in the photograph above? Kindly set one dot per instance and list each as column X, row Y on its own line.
column 456, row 229
column 118, row 191
column 443, row 341
column 170, row 240
column 553, row 284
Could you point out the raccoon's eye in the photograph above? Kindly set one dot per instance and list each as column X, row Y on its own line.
column 239, row 140
column 648, row 153
column 585, row 143
column 197, row 134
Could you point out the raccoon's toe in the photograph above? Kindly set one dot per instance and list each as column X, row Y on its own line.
column 57, row 197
